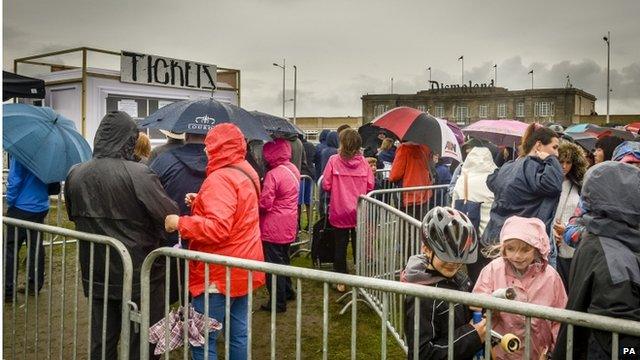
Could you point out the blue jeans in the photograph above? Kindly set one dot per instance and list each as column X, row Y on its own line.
column 238, row 335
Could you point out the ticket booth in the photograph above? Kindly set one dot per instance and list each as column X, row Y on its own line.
column 142, row 84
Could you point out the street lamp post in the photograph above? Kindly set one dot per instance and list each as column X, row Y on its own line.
column 295, row 91
column 531, row 73
column 495, row 74
column 607, row 39
column 462, row 58
column 283, row 67
column 429, row 69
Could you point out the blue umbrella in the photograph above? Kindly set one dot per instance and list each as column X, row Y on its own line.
column 42, row 140
column 200, row 116
column 276, row 124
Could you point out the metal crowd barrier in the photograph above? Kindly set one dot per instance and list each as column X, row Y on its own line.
column 302, row 246
column 407, row 199
column 387, row 288
column 56, row 321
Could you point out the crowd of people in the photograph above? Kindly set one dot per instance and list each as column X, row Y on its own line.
column 534, row 219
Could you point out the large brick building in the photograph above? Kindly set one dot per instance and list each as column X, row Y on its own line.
column 465, row 104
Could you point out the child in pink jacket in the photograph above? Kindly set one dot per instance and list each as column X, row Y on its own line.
column 346, row 176
column 522, row 265
column 279, row 214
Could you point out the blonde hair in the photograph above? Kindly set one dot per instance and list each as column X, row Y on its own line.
column 143, row 146
column 386, row 144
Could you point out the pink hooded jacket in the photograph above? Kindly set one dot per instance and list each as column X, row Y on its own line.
column 279, row 196
column 540, row 284
column 346, row 180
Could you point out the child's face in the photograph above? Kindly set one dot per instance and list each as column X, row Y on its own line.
column 519, row 253
column 446, row 269
column 373, row 166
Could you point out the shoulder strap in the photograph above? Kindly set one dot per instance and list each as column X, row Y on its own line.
column 257, row 188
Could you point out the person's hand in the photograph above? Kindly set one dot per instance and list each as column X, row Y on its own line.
column 171, row 223
column 558, row 230
column 541, row 154
column 188, row 199
column 481, row 328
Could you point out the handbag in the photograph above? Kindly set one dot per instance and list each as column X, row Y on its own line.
column 469, row 208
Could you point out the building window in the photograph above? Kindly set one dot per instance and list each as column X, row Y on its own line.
column 423, row 108
column 520, row 109
column 483, row 112
column 439, row 111
column 502, row 110
column 379, row 110
column 462, row 113
column 544, row 109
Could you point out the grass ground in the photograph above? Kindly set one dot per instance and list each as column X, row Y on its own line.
column 55, row 326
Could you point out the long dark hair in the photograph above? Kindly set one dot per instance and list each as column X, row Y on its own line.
column 534, row 133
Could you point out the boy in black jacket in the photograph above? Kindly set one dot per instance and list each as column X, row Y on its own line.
column 449, row 240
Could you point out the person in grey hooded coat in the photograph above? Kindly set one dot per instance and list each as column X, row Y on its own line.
column 116, row 196
column 605, row 271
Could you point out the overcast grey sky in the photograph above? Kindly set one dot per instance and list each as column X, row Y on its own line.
column 344, row 49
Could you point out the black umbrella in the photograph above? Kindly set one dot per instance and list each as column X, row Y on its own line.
column 277, row 125
column 14, row 85
column 200, row 116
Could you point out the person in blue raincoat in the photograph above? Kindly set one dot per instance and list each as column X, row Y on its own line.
column 528, row 187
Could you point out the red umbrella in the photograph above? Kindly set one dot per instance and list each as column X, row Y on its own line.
column 633, row 128
column 410, row 124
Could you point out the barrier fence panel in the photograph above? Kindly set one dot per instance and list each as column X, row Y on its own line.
column 387, row 288
column 308, row 194
column 386, row 238
column 415, row 201
column 56, row 321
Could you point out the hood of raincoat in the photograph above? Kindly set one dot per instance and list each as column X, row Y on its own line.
column 116, row 137
column 352, row 163
column 626, row 148
column 323, row 136
column 277, row 152
column 530, row 230
column 479, row 160
column 332, row 140
column 611, row 196
column 225, row 145
column 192, row 157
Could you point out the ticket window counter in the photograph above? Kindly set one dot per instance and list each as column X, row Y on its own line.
column 139, row 108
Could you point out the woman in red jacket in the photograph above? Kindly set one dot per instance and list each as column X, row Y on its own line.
column 224, row 220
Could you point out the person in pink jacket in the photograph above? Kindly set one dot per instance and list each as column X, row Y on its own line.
column 522, row 265
column 279, row 215
column 346, row 176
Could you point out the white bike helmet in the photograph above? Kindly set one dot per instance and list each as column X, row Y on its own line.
column 450, row 235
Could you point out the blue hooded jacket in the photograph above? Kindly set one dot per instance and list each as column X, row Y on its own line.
column 331, row 149
column 321, row 146
column 527, row 187
column 24, row 190
column 181, row 171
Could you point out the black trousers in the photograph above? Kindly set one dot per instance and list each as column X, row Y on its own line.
column 114, row 324
column 278, row 254
column 34, row 243
column 342, row 240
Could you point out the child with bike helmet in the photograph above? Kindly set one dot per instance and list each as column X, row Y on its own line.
column 522, row 265
column 448, row 241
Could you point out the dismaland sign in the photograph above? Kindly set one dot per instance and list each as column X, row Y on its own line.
column 464, row 88
column 161, row 71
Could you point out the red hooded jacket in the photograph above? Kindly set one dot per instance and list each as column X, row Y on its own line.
column 224, row 216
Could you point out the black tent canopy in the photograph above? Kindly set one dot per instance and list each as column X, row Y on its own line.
column 14, row 85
